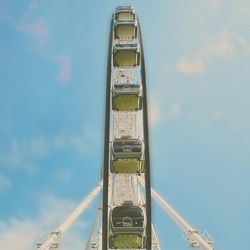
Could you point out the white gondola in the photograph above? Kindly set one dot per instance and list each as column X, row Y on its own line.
column 124, row 14
column 126, row 54
column 125, row 30
column 127, row 97
column 126, row 91
column 127, row 156
column 125, row 24
column 127, row 227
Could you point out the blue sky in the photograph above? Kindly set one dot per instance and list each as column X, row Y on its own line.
column 52, row 77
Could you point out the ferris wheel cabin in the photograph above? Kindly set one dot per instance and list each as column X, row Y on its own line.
column 127, row 226
column 127, row 156
column 126, row 92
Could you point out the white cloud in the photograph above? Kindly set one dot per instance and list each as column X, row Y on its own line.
column 213, row 3
column 64, row 175
column 194, row 117
column 38, row 146
column 30, row 9
column 244, row 10
column 22, row 234
column 18, row 235
column 174, row 110
column 211, row 115
column 217, row 114
column 241, row 43
column 221, row 47
column 18, row 156
column 24, row 154
column 190, row 67
column 225, row 46
column 54, row 209
column 5, row 183
column 86, row 140
column 159, row 111
column 37, row 29
column 64, row 74
column 59, row 141
column 78, row 143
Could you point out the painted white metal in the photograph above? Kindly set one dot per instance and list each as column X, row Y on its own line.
column 53, row 240
column 203, row 242
column 124, row 124
column 93, row 240
column 100, row 239
column 193, row 236
column 123, row 189
column 155, row 240
column 123, row 75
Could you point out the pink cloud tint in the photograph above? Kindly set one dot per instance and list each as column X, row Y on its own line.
column 37, row 29
column 31, row 8
column 64, row 73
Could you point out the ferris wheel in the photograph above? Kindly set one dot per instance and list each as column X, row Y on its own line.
column 123, row 219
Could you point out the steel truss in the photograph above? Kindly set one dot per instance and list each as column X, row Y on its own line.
column 195, row 239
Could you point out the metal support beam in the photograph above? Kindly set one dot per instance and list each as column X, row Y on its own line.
column 155, row 240
column 54, row 237
column 193, row 236
column 93, row 239
column 147, row 150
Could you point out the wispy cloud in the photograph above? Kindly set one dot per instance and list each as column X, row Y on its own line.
column 30, row 9
column 185, row 66
column 225, row 46
column 18, row 156
column 193, row 116
column 164, row 111
column 217, row 114
column 17, row 235
column 241, row 43
column 244, row 10
column 23, row 154
column 232, row 41
column 222, row 47
column 5, row 183
column 59, row 141
column 213, row 3
column 64, row 74
column 63, row 175
column 85, row 140
column 158, row 114
column 23, row 234
column 174, row 109
column 37, row 29
column 211, row 115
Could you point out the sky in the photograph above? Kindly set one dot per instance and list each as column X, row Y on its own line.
column 53, row 57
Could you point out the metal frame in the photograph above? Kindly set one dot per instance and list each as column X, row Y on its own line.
column 119, row 188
